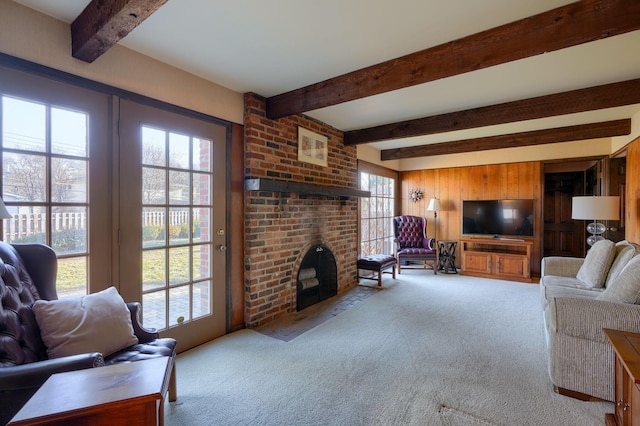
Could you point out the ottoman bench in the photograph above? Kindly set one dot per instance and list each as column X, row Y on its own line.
column 377, row 263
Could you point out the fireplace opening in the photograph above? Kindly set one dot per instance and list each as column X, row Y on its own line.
column 317, row 277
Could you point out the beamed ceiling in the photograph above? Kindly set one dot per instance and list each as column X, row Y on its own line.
column 412, row 78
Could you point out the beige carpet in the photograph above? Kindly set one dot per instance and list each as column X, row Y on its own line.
column 426, row 350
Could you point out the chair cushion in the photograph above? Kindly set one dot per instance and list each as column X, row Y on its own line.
column 142, row 351
column 98, row 322
column 626, row 287
column 375, row 262
column 595, row 268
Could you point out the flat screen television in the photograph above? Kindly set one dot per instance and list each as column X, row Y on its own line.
column 498, row 218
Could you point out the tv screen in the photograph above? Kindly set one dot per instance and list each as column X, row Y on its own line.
column 498, row 217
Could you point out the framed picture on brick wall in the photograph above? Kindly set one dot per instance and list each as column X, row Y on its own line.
column 312, row 147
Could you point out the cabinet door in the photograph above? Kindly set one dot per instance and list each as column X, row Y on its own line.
column 477, row 262
column 620, row 391
column 512, row 265
column 634, row 403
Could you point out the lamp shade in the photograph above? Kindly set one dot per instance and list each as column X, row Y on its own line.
column 596, row 208
column 4, row 213
column 434, row 205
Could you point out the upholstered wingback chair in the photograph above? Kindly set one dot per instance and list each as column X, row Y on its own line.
column 28, row 273
column 412, row 244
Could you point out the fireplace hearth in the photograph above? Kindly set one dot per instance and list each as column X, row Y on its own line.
column 317, row 277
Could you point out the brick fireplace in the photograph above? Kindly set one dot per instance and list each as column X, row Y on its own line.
column 280, row 227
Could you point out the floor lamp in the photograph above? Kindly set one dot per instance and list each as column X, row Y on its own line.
column 434, row 206
column 595, row 208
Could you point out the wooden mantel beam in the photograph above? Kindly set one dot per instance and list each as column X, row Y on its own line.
column 576, row 23
column 103, row 23
column 514, row 140
column 581, row 100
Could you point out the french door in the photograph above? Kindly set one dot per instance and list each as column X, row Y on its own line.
column 172, row 221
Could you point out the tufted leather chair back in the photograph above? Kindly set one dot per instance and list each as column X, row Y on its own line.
column 20, row 341
column 409, row 231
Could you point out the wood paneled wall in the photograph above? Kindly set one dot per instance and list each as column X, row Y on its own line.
column 451, row 186
column 632, row 209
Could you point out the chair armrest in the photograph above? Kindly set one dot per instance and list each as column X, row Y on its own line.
column 560, row 266
column 36, row 373
column 429, row 243
column 144, row 335
column 585, row 318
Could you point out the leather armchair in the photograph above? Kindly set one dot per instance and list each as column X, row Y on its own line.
column 411, row 242
column 28, row 273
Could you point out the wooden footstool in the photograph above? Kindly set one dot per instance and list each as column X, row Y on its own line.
column 377, row 263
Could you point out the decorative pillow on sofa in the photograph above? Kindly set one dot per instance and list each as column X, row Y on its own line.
column 625, row 251
column 626, row 287
column 98, row 322
column 595, row 268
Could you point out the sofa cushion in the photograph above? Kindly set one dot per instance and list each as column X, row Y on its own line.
column 625, row 251
column 626, row 287
column 595, row 268
column 552, row 286
column 98, row 322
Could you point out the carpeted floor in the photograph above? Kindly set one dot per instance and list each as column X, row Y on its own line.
column 424, row 350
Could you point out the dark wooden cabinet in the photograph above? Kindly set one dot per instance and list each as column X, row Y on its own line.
column 627, row 378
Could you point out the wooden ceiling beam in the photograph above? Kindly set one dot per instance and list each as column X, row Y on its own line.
column 581, row 100
column 103, row 23
column 576, row 23
column 514, row 140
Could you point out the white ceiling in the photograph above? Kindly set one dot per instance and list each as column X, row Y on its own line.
column 271, row 47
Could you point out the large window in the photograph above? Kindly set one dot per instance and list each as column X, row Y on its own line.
column 48, row 132
column 376, row 213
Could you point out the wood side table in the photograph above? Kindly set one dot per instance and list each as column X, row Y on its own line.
column 447, row 256
column 627, row 378
column 129, row 393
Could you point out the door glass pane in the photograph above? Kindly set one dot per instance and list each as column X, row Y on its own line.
column 154, row 187
column 155, row 309
column 153, row 147
column 179, row 265
column 179, row 300
column 202, row 149
column 179, row 225
column 69, row 230
column 25, row 177
column 201, row 225
column 201, row 299
column 179, row 183
column 23, row 125
column 153, row 226
column 201, row 188
column 178, row 151
column 69, row 180
column 68, row 132
column 201, row 261
column 154, row 270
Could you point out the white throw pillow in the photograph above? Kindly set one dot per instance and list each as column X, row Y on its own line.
column 626, row 287
column 98, row 322
column 595, row 268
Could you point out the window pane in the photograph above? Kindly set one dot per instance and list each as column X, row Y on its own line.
column 153, row 269
column 179, row 305
column 179, row 265
column 201, row 299
column 24, row 176
column 178, row 151
column 28, row 225
column 154, row 314
column 179, row 187
column 179, row 225
column 153, row 186
column 201, row 154
column 68, row 132
column 69, row 180
column 23, row 125
column 153, row 147
column 69, row 230
column 153, row 226
column 201, row 188
column 72, row 276
column 201, row 262
column 201, row 225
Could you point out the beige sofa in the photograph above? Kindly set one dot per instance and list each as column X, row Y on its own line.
column 580, row 297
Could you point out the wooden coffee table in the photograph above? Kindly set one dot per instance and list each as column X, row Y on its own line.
column 131, row 393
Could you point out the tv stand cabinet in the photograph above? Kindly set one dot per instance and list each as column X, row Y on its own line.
column 501, row 258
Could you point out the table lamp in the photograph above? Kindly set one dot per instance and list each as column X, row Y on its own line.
column 595, row 208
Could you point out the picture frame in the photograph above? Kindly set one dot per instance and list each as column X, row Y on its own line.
column 312, row 147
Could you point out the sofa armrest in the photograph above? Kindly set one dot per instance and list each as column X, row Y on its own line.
column 36, row 373
column 560, row 266
column 144, row 335
column 585, row 318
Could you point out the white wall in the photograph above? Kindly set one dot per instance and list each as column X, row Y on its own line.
column 28, row 34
